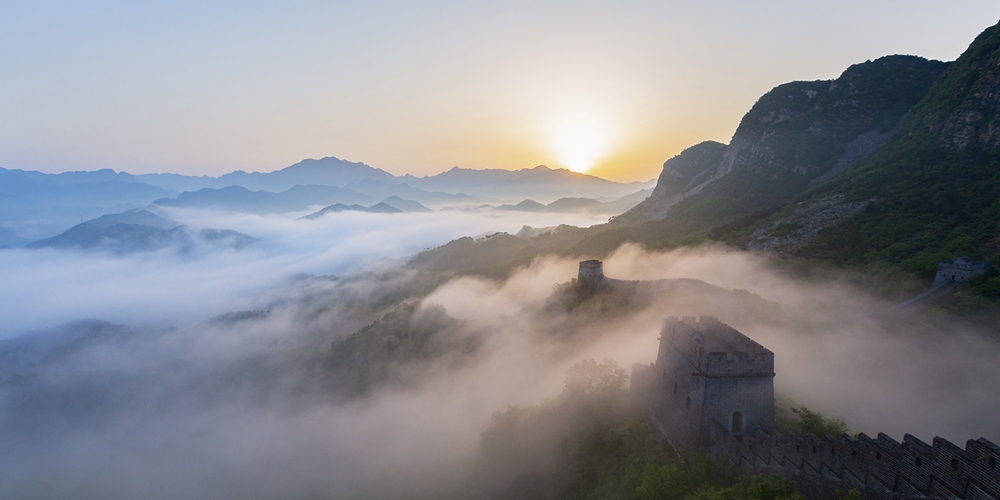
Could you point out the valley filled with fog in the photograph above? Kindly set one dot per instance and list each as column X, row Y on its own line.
column 165, row 288
column 318, row 358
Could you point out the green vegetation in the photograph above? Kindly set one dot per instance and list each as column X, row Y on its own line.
column 937, row 186
column 811, row 422
column 386, row 351
column 744, row 222
column 933, row 190
column 590, row 443
column 681, row 170
column 798, row 131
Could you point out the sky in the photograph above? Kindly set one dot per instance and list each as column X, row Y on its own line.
column 611, row 88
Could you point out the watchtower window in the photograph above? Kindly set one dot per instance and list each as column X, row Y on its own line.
column 689, row 402
column 675, row 387
column 737, row 422
column 993, row 462
column 954, row 463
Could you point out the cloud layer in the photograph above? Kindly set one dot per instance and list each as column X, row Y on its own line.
column 242, row 406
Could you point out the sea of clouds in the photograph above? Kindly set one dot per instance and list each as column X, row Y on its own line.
column 175, row 405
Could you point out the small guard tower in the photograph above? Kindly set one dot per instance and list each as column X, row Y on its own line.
column 957, row 270
column 592, row 273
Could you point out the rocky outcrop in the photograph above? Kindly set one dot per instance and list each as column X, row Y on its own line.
column 962, row 110
column 681, row 176
column 795, row 136
column 791, row 233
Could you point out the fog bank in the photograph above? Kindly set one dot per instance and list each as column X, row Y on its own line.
column 248, row 406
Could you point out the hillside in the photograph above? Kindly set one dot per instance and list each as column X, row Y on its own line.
column 935, row 189
column 795, row 136
column 895, row 164
column 681, row 175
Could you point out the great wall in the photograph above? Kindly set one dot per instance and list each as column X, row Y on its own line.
column 712, row 388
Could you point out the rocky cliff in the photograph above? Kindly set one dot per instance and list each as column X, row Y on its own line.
column 796, row 135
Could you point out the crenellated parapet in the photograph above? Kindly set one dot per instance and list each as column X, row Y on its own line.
column 881, row 468
column 711, row 387
column 715, row 349
column 592, row 273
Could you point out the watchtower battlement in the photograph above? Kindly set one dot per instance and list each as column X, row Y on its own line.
column 712, row 388
column 959, row 270
column 715, row 349
column 592, row 273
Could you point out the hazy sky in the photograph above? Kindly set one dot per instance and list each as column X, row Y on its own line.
column 418, row 87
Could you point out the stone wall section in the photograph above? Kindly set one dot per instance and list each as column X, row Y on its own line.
column 706, row 372
column 881, row 468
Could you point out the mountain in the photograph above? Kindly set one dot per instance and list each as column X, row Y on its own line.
column 235, row 198
column 573, row 204
column 310, row 195
column 404, row 205
column 934, row 191
column 135, row 216
column 378, row 208
column 380, row 189
column 524, row 206
column 891, row 168
column 539, row 183
column 10, row 239
column 682, row 175
column 34, row 204
column 591, row 205
column 895, row 164
column 626, row 203
column 29, row 354
column 240, row 199
column 327, row 171
column 795, row 136
column 139, row 231
column 174, row 182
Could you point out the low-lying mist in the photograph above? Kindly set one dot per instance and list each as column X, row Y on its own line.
column 47, row 287
column 280, row 401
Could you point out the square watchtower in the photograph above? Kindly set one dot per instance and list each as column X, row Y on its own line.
column 706, row 370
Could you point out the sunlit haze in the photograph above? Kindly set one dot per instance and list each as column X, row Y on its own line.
column 579, row 142
column 206, row 88
column 499, row 250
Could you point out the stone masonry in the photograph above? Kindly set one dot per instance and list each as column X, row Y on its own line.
column 958, row 270
column 712, row 388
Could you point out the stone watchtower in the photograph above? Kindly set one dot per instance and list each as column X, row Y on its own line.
column 592, row 273
column 712, row 388
column 706, row 371
column 957, row 270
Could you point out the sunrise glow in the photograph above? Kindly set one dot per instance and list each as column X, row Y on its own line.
column 578, row 143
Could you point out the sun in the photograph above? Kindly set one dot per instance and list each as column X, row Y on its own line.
column 579, row 142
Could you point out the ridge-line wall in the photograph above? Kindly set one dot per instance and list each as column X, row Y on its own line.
column 880, row 468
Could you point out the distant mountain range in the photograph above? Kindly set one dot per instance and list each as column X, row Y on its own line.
column 581, row 204
column 540, row 183
column 140, row 231
column 378, row 208
column 35, row 204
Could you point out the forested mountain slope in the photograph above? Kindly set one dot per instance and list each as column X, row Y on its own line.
column 796, row 135
column 935, row 189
